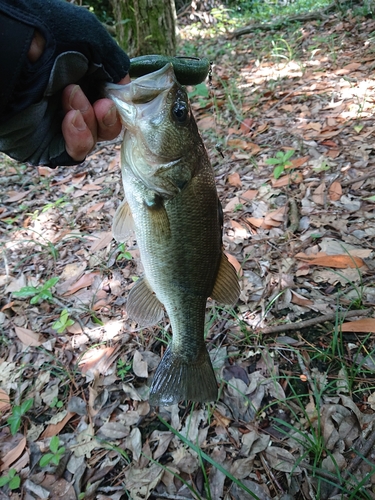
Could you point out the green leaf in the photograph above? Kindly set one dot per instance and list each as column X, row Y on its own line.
column 15, row 422
column 55, row 459
column 26, row 291
column 4, row 480
column 50, row 283
column 45, row 460
column 26, row 405
column 54, row 444
column 14, row 483
column 272, row 161
column 288, row 154
column 278, row 171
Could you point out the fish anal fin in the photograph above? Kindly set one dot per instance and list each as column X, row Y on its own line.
column 143, row 306
column 176, row 379
column 123, row 223
column 226, row 289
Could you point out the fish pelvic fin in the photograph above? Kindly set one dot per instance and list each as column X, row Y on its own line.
column 176, row 379
column 143, row 306
column 226, row 289
column 123, row 223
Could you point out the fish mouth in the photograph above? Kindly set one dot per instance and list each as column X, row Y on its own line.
column 144, row 96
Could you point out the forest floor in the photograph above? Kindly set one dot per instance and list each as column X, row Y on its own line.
column 289, row 126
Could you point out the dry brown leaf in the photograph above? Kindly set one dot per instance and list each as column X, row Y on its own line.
column 104, row 239
column 297, row 162
column 335, row 261
column 13, row 454
column 55, row 429
column 206, row 122
column 16, row 196
column 318, row 196
column 139, row 365
column 46, row 171
column 27, row 337
column 248, row 195
column 234, row 180
column 85, row 281
column 4, row 401
column 96, row 207
column 365, row 325
column 255, row 221
column 98, row 359
column 91, row 187
column 335, row 191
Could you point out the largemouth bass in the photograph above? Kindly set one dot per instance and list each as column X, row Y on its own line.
column 172, row 203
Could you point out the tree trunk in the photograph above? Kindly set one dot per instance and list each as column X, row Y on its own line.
column 145, row 26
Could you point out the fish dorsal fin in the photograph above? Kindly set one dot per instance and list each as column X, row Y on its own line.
column 143, row 306
column 123, row 223
column 226, row 289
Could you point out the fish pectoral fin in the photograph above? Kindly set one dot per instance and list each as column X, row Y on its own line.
column 176, row 379
column 226, row 289
column 158, row 215
column 143, row 306
column 123, row 223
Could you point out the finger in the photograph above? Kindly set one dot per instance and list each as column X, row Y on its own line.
column 78, row 137
column 73, row 98
column 109, row 124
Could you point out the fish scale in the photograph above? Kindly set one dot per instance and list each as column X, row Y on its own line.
column 172, row 204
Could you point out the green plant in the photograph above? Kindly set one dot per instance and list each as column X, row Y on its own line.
column 56, row 403
column 123, row 368
column 38, row 293
column 18, row 412
column 56, row 453
column 123, row 253
column 280, row 160
column 12, row 479
column 63, row 322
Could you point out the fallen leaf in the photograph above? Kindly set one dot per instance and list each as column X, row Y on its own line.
column 364, row 325
column 336, row 261
column 237, row 266
column 104, row 239
column 234, row 180
column 13, row 454
column 16, row 196
column 27, row 337
column 85, row 281
column 335, row 191
column 91, row 187
column 4, row 401
column 139, row 365
column 55, row 429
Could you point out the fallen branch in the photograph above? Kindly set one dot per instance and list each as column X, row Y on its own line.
column 311, row 322
column 363, row 449
column 309, row 16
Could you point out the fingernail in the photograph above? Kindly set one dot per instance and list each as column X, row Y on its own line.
column 78, row 100
column 78, row 122
column 111, row 117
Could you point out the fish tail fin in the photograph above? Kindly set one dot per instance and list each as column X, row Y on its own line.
column 178, row 379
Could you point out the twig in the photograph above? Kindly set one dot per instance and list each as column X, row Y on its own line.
column 312, row 322
column 363, row 449
column 358, row 179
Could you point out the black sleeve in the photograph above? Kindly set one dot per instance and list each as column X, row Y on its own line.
column 78, row 50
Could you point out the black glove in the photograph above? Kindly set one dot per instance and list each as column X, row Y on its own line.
column 77, row 50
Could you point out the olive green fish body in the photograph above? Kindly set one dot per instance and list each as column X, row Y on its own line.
column 170, row 191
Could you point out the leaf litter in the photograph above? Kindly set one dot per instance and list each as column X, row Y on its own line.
column 291, row 421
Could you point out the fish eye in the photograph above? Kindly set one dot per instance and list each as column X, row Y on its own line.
column 180, row 111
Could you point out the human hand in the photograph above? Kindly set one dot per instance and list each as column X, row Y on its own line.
column 84, row 124
column 54, row 112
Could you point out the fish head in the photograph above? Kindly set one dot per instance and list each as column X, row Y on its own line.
column 155, row 110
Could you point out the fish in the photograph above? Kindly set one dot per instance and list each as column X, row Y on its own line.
column 172, row 205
